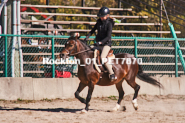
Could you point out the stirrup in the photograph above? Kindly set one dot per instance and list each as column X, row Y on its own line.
column 113, row 77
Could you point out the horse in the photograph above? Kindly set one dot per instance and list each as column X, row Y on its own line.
column 90, row 77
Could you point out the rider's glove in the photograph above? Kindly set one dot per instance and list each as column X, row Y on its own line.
column 85, row 40
column 97, row 43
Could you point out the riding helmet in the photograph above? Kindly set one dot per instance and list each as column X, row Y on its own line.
column 103, row 11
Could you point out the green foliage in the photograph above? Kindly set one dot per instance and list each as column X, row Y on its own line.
column 46, row 100
column 34, row 2
column 112, row 97
column 113, row 4
column 19, row 99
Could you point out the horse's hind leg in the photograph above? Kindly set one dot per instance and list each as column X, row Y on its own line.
column 136, row 87
column 80, row 88
column 121, row 94
column 134, row 101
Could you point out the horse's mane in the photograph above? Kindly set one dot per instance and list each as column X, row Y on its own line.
column 83, row 44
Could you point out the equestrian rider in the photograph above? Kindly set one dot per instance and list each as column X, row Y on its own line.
column 103, row 39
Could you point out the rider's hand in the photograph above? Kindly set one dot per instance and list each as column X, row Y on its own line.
column 85, row 40
column 96, row 44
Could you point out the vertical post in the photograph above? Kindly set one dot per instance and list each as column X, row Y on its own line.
column 19, row 38
column 5, row 19
column 0, row 26
column 9, row 31
column 47, row 2
column 141, row 22
column 119, row 4
column 5, row 67
column 53, row 57
column 135, row 47
column 83, row 3
column 55, row 18
column 177, row 50
column 161, row 13
column 14, row 53
column 125, row 27
column 176, row 60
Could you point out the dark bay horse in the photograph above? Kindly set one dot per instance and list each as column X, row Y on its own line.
column 90, row 77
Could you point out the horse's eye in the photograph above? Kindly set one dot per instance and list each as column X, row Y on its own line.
column 70, row 45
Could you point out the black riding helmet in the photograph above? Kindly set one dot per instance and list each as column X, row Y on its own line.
column 103, row 12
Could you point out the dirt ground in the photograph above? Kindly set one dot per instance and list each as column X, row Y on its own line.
column 152, row 109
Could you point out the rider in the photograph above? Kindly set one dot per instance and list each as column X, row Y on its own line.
column 103, row 39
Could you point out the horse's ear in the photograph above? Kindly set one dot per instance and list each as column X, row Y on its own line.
column 77, row 35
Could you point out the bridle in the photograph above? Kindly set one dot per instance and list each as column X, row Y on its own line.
column 75, row 47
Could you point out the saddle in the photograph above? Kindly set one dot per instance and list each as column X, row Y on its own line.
column 101, row 67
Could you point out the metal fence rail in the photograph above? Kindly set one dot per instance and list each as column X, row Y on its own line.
column 158, row 55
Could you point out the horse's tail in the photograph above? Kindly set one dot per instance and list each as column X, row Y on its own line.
column 145, row 77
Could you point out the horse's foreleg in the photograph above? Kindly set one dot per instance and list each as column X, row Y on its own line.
column 88, row 98
column 80, row 88
column 121, row 94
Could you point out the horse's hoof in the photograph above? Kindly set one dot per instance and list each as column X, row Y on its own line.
column 111, row 110
column 83, row 111
column 136, row 108
column 123, row 108
column 115, row 108
column 135, row 105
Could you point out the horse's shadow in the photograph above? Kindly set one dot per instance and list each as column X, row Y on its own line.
column 47, row 110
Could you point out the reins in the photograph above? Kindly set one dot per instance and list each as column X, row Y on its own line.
column 79, row 52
